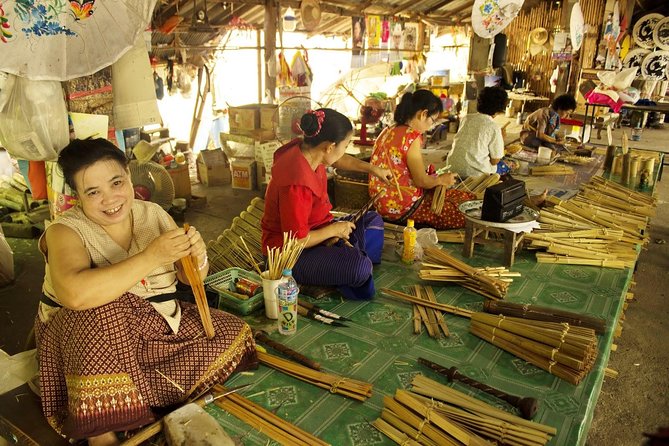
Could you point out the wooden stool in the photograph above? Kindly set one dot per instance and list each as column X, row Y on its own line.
column 476, row 232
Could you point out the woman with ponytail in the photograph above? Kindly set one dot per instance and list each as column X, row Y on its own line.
column 297, row 201
column 399, row 148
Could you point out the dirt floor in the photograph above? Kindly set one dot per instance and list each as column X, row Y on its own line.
column 637, row 400
column 633, row 403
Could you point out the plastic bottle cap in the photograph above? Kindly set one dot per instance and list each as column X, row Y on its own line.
column 287, row 272
column 410, row 223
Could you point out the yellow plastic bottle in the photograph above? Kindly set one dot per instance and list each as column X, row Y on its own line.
column 408, row 255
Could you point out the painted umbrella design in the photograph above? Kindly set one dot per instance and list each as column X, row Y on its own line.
column 62, row 40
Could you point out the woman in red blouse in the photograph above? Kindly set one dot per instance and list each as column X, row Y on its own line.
column 398, row 148
column 297, row 201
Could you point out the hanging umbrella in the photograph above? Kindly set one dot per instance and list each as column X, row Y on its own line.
column 62, row 40
column 348, row 93
column 490, row 17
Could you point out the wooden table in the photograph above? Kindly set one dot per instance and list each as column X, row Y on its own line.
column 476, row 232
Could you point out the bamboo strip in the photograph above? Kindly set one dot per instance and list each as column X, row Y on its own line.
column 396, row 435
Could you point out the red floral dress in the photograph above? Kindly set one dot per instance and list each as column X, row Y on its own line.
column 390, row 151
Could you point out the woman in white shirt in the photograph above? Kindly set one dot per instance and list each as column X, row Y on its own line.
column 478, row 145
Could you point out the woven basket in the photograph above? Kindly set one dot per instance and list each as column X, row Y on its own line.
column 223, row 281
column 351, row 189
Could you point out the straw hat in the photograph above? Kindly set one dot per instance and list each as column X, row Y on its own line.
column 538, row 36
column 536, row 40
column 144, row 151
column 310, row 12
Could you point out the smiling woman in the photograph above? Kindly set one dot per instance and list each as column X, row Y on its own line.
column 110, row 331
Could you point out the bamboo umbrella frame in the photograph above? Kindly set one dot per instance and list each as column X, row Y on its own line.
column 348, row 387
column 193, row 275
column 490, row 287
column 265, row 421
column 479, row 417
column 541, row 313
column 565, row 351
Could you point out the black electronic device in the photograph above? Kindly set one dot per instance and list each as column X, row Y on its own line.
column 503, row 201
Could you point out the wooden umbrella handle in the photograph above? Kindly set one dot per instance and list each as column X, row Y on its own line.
column 526, row 405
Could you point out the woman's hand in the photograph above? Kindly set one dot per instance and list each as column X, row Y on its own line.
column 383, row 174
column 170, row 247
column 447, row 179
column 198, row 247
column 341, row 229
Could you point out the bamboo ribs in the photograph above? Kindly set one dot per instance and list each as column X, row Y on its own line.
column 348, row 387
column 435, row 414
column 552, row 170
column 566, row 351
column 436, row 305
column 438, row 265
column 478, row 185
column 431, row 317
column 603, row 225
column 193, row 275
column 541, row 313
column 265, row 421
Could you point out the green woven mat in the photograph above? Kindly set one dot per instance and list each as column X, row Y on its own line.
column 380, row 347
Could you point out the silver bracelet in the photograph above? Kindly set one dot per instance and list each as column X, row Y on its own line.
column 204, row 263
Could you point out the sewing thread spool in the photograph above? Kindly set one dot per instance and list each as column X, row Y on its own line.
column 608, row 160
column 634, row 170
column 617, row 165
column 627, row 166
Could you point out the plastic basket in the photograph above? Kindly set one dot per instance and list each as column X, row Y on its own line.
column 223, row 281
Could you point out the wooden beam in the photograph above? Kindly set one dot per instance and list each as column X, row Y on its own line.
column 270, row 23
column 439, row 5
column 407, row 5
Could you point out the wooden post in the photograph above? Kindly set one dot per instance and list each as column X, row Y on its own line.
column 271, row 19
column 261, row 69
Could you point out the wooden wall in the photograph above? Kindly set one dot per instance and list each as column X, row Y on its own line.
column 540, row 67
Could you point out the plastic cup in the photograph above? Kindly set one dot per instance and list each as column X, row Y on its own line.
column 269, row 293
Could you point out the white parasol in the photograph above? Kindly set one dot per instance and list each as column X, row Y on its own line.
column 348, row 93
column 576, row 24
column 490, row 17
column 58, row 40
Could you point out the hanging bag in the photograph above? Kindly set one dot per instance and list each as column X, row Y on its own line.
column 33, row 119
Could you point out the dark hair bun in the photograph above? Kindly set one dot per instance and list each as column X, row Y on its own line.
column 309, row 124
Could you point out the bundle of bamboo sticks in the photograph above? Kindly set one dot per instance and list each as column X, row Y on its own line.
column 554, row 169
column 265, row 421
column 227, row 251
column 575, row 159
column 566, row 351
column 475, row 416
column 432, row 318
column 540, row 313
column 282, row 257
column 478, row 185
column 492, row 283
column 348, row 387
column 429, row 304
column 602, row 225
column 197, row 285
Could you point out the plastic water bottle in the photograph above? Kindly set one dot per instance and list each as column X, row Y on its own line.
column 409, row 254
column 287, row 293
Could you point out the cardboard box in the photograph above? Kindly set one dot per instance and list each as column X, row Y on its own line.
column 256, row 120
column 244, row 173
column 181, row 180
column 268, row 115
column 243, row 119
column 213, row 168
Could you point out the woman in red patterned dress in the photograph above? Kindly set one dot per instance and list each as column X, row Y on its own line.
column 399, row 149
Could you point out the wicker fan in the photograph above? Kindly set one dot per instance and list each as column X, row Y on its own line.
column 152, row 183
